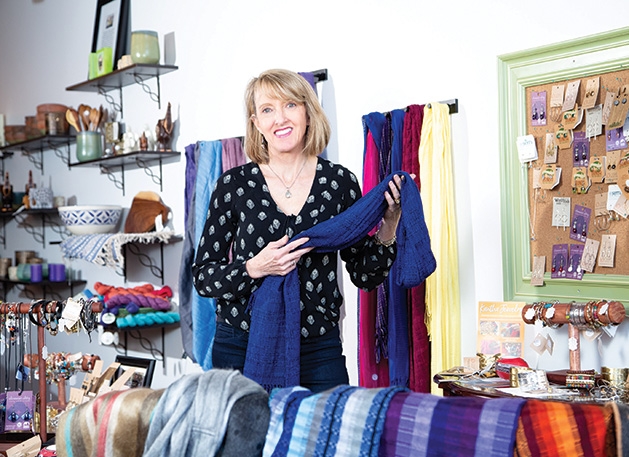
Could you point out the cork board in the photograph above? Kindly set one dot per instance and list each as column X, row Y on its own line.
column 543, row 234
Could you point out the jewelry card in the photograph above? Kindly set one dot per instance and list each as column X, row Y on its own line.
column 608, row 248
column 607, row 106
column 580, row 150
column 561, row 212
column 594, row 121
column 560, row 258
column 537, row 274
column 550, row 149
column 614, row 139
column 611, row 174
column 527, row 150
column 597, row 169
column 574, row 264
column 588, row 259
column 563, row 136
column 572, row 91
column 538, row 108
column 580, row 223
column 591, row 92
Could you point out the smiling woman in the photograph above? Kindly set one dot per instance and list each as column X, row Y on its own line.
column 255, row 211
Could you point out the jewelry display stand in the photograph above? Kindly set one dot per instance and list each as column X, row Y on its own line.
column 25, row 308
column 592, row 315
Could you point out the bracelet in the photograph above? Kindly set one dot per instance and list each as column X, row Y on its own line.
column 386, row 244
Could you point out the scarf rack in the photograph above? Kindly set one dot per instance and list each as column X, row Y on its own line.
column 26, row 308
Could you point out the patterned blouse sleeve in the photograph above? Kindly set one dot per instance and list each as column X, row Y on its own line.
column 214, row 273
column 367, row 262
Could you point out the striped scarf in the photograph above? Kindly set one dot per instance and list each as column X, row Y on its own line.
column 114, row 424
column 343, row 421
column 561, row 429
column 420, row 425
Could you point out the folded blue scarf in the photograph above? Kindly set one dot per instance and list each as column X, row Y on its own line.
column 273, row 350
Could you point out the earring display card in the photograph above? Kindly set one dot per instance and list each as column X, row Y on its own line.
column 580, row 223
column 591, row 92
column 561, row 212
column 550, row 149
column 559, row 262
column 550, row 176
column 564, row 137
column 607, row 105
column 19, row 411
column 538, row 108
column 571, row 95
column 574, row 264
column 608, row 248
column 527, row 150
column 580, row 150
column 615, row 140
column 588, row 259
column 611, row 176
column 594, row 121
column 596, row 169
column 539, row 266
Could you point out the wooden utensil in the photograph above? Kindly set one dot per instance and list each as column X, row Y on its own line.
column 73, row 119
column 84, row 114
column 94, row 119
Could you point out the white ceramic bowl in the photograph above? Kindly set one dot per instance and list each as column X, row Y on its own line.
column 87, row 220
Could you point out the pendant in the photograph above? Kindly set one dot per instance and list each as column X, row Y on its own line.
column 288, row 194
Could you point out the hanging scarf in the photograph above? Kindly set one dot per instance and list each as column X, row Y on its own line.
column 419, row 344
column 442, row 289
column 272, row 357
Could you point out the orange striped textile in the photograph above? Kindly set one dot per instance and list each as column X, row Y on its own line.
column 556, row 429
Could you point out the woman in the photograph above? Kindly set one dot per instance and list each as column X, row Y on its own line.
column 256, row 208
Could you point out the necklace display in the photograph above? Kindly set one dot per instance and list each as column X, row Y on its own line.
column 288, row 193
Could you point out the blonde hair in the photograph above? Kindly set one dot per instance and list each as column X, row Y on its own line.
column 287, row 86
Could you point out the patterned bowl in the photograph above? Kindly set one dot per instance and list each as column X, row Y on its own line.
column 87, row 220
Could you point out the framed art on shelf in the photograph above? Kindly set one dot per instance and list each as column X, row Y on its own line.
column 111, row 27
column 142, row 371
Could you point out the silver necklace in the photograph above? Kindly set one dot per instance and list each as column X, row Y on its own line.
column 288, row 193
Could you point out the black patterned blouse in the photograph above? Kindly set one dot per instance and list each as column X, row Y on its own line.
column 243, row 217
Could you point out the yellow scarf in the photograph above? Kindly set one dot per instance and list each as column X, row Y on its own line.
column 443, row 314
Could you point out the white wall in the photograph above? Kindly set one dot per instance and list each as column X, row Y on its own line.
column 380, row 56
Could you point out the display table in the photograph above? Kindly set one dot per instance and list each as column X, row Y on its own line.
column 454, row 385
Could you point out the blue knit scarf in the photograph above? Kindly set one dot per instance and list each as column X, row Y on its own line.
column 272, row 358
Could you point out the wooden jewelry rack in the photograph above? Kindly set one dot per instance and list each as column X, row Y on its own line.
column 35, row 308
column 593, row 314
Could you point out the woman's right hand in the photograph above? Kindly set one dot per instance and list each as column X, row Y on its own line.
column 278, row 258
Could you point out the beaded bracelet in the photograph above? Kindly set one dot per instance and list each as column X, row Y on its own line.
column 386, row 244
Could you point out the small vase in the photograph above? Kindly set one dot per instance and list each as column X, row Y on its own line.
column 144, row 47
column 89, row 146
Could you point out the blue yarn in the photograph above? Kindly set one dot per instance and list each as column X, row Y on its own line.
column 272, row 358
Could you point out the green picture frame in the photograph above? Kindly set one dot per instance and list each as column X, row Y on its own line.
column 582, row 57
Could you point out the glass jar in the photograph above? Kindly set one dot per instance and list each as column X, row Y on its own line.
column 144, row 47
column 89, row 145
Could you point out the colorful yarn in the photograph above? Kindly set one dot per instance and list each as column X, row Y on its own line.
column 146, row 319
column 140, row 296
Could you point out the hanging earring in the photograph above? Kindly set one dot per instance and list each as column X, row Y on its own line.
column 574, row 226
column 561, row 265
column 584, row 153
column 534, row 113
column 542, row 114
column 554, row 267
column 584, row 230
column 570, row 267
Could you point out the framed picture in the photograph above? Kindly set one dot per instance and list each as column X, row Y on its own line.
column 111, row 27
column 143, row 371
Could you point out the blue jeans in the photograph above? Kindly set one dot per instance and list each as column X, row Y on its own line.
column 322, row 363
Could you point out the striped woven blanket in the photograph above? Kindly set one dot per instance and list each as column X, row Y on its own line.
column 112, row 425
column 344, row 421
column 558, row 429
column 420, row 425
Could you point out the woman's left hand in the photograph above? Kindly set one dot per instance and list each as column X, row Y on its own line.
column 394, row 210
